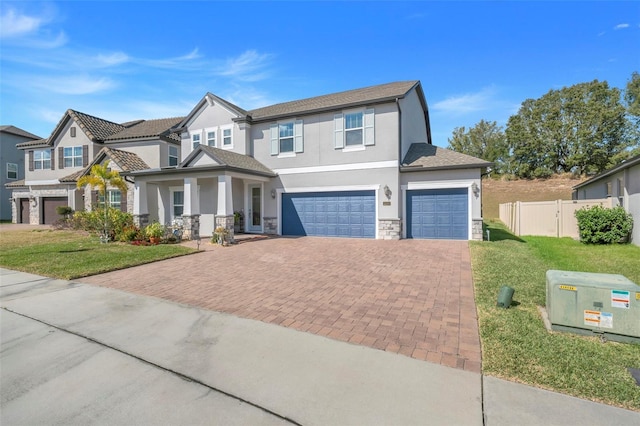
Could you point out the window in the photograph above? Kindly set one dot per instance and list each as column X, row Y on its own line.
column 285, row 134
column 73, row 156
column 42, row 159
column 115, row 199
column 177, row 203
column 72, row 132
column 621, row 191
column 354, row 129
column 173, row 156
column 12, row 171
column 608, row 189
column 211, row 137
column 195, row 140
column 286, row 138
column 226, row 138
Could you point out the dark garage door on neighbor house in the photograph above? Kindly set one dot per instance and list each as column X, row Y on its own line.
column 24, row 210
column 438, row 214
column 49, row 205
column 330, row 214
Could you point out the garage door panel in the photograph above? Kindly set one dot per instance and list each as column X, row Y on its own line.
column 438, row 213
column 49, row 212
column 335, row 214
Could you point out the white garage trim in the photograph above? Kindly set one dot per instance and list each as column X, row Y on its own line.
column 444, row 184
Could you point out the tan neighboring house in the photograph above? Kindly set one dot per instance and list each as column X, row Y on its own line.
column 620, row 183
column 53, row 165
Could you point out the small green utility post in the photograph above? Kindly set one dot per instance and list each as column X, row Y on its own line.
column 505, row 296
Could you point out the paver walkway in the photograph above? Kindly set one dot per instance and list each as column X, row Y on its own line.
column 413, row 297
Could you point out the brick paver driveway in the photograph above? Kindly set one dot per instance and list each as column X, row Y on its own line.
column 413, row 297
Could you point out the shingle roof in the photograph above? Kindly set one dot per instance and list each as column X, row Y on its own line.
column 232, row 159
column 18, row 132
column 425, row 156
column 148, row 128
column 336, row 100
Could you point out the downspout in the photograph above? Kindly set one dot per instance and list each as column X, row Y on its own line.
column 399, row 134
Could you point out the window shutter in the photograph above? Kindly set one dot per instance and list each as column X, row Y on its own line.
column 30, row 161
column 85, row 155
column 274, row 140
column 123, row 201
column 369, row 127
column 338, row 132
column 53, row 159
column 297, row 132
column 94, row 199
column 61, row 157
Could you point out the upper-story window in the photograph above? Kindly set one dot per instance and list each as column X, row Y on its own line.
column 354, row 129
column 286, row 138
column 195, row 140
column 42, row 159
column 211, row 137
column 12, row 171
column 72, row 156
column 227, row 138
column 173, row 156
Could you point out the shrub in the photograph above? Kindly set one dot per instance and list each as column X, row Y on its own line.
column 93, row 222
column 154, row 230
column 599, row 225
column 64, row 211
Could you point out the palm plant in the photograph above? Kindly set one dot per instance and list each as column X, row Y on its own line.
column 102, row 178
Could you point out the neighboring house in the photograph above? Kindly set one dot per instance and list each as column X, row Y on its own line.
column 358, row 163
column 11, row 163
column 53, row 165
column 622, row 184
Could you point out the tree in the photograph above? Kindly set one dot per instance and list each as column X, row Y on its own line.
column 578, row 129
column 102, row 178
column 485, row 140
column 632, row 95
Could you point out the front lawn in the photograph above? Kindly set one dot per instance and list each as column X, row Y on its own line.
column 515, row 344
column 70, row 254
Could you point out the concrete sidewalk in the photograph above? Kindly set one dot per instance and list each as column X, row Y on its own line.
column 79, row 354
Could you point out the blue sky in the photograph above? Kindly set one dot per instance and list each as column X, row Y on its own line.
column 142, row 60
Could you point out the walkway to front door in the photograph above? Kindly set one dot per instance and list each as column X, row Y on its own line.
column 413, row 297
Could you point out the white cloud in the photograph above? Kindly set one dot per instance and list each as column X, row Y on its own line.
column 14, row 24
column 72, row 85
column 112, row 59
column 466, row 103
column 621, row 26
column 249, row 66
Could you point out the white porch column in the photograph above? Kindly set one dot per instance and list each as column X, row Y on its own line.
column 71, row 199
column 191, row 200
column 225, row 196
column 140, row 198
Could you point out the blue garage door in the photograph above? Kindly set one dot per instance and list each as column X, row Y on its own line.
column 438, row 214
column 330, row 214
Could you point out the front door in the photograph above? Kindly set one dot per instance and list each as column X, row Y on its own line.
column 255, row 209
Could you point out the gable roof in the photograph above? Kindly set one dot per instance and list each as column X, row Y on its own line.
column 228, row 159
column 346, row 99
column 140, row 129
column 125, row 160
column 210, row 98
column 625, row 164
column 18, row 132
column 423, row 156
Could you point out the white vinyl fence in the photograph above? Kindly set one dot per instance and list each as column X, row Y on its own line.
column 546, row 218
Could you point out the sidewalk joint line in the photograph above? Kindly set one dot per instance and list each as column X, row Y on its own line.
column 177, row 373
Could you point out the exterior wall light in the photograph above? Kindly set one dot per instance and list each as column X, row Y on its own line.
column 475, row 188
column 273, row 193
column 387, row 192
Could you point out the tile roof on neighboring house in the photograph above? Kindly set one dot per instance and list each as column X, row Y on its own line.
column 148, row 128
column 382, row 92
column 125, row 160
column 232, row 159
column 33, row 144
column 15, row 184
column 18, row 132
column 625, row 164
column 423, row 156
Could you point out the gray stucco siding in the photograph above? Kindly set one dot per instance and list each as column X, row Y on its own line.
column 318, row 140
column 413, row 124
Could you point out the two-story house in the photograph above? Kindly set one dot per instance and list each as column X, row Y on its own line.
column 358, row 163
column 53, row 165
column 11, row 163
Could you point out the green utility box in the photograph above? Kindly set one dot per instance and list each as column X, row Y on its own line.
column 588, row 303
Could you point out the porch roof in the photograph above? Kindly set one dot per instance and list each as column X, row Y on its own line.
column 424, row 156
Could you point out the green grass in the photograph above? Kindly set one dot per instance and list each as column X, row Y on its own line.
column 515, row 344
column 70, row 255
